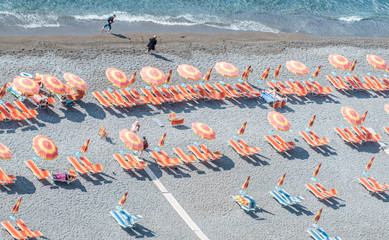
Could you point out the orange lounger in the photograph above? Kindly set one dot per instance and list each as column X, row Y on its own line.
column 251, row 90
column 31, row 234
column 343, row 83
column 369, row 136
column 320, row 141
column 295, row 89
column 160, row 161
column 232, row 90
column 278, row 89
column 14, row 233
column 238, row 148
column 178, row 97
column 322, row 90
column 183, row 156
column 362, row 85
column 359, row 134
column 31, row 112
column 330, row 193
column 215, row 94
column 139, row 164
column 6, row 114
column 121, row 99
column 138, row 97
column 251, row 150
column 223, row 90
column 379, row 84
column 386, row 82
column 77, row 165
column 275, row 144
column 287, row 145
column 371, row 84
column 312, row 88
column 37, row 172
column 101, row 99
column 302, row 89
column 335, row 83
column 112, row 99
column 309, row 140
column 203, row 92
column 316, row 192
column 15, row 113
column 197, row 153
column 176, row 122
column 154, row 100
column 129, row 97
column 243, row 91
column 381, row 187
column 193, row 91
column 351, row 135
column 209, row 154
column 284, row 88
column 171, row 161
column 123, row 163
column 185, row 93
column 6, row 179
column 160, row 96
column 368, row 185
column 353, row 83
column 343, row 135
column 95, row 168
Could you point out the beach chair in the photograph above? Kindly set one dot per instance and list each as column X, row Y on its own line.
column 287, row 145
column 297, row 91
column 386, row 82
column 370, row 136
column 135, row 163
column 343, row 83
column 278, row 89
column 330, row 193
column 309, row 139
column 320, row 234
column 138, row 97
column 244, row 88
column 320, row 141
column 121, row 99
column 6, row 179
column 232, row 90
column 160, row 97
column 15, row 113
column 185, row 93
column 246, row 202
column 112, row 99
column 378, row 84
column 285, row 198
column 322, row 90
column 365, row 86
column 124, row 219
column 183, row 156
column 95, row 168
column 352, row 136
column 381, row 187
column 30, row 112
column 14, row 233
column 335, row 83
column 251, row 150
column 275, row 144
column 77, row 165
column 222, row 89
column 238, row 148
column 359, row 134
column 7, row 115
column 372, row 85
column 312, row 88
column 123, row 163
column 27, row 231
column 284, row 88
column 177, row 122
column 129, row 97
column 353, row 84
column 316, row 192
column 102, row 132
column 176, row 95
column 343, row 135
column 101, row 99
column 43, row 101
column 302, row 89
column 250, row 89
column 243, row 91
column 160, row 161
column 215, row 94
column 198, row 154
column 209, row 154
column 368, row 185
column 171, row 161
column 154, row 100
column 269, row 97
column 2, row 117
column 40, row 174
column 204, row 92
column 193, row 91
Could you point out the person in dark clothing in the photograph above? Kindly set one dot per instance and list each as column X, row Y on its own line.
column 110, row 20
column 152, row 43
column 145, row 146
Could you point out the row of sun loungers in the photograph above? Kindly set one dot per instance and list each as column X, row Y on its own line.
column 24, row 233
column 296, row 88
column 313, row 140
column 361, row 135
column 10, row 112
column 280, row 144
column 354, row 83
column 128, row 162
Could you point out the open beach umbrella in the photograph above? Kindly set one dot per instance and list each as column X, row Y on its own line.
column 84, row 147
column 316, row 73
column 246, row 183
column 3, row 90
column 351, row 116
column 265, row 74
column 117, row 77
column 152, row 75
column 5, row 153
column 203, row 130
column 278, row 121
column 15, row 209
column 241, row 130
column 75, row 81
column 45, row 147
column 131, row 140
column 53, row 84
column 376, row 62
column 339, row 61
column 368, row 166
column 226, row 69
column 189, row 72
column 312, row 121
column 162, row 140
column 277, row 72
column 26, row 85
column 123, row 200
column 317, row 216
column 169, row 75
column 387, row 107
column 353, row 65
column 281, row 180
column 207, row 75
column 297, row 67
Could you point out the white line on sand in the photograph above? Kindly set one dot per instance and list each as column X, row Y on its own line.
column 382, row 145
column 183, row 214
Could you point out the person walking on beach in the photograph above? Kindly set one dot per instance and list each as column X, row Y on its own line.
column 152, row 43
column 145, row 146
column 110, row 20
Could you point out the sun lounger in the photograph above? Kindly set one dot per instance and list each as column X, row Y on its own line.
column 368, row 185
column 209, row 154
column 139, row 164
column 37, row 172
column 322, row 90
column 378, row 84
column 159, row 96
column 123, row 163
column 177, row 122
column 381, row 187
column 185, row 93
column 285, row 89
column 359, row 134
column 154, row 100
column 15, row 113
column 297, row 91
column 250, row 89
column 386, row 82
column 176, row 95
column 302, row 89
column 311, row 88
column 343, row 83
column 101, row 99
column 138, row 97
column 27, row 231
column 353, row 84
column 6, row 179
column 77, row 165
column 121, row 99
column 193, row 91
column 232, row 90
column 215, row 94
column 309, row 139
column 222, row 89
column 372, row 85
column 204, row 92
column 316, row 192
column 320, row 234
column 275, row 144
column 268, row 97
column 243, row 91
column 95, row 168
column 287, row 145
column 6, row 114
column 284, row 198
column 129, row 97
column 238, row 148
column 183, row 156
column 335, row 83
column 320, row 141
column 278, row 89
column 251, row 150
column 124, row 219
column 351, row 135
column 14, row 233
column 246, row 202
column 343, row 135
column 30, row 112
column 197, row 153
column 171, row 161
column 43, row 101
column 370, row 136
column 330, row 193
column 365, row 86
column 160, row 161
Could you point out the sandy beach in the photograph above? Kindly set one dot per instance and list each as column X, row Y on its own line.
column 81, row 210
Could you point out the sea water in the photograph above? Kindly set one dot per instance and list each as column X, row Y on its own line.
column 328, row 18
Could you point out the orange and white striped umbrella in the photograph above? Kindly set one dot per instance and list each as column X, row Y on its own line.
column 169, row 75
column 277, row 72
column 339, row 61
column 376, row 62
column 386, row 107
column 75, row 81
column 5, row 153
column 117, row 77
column 45, row 147
column 162, row 140
column 368, row 166
column 317, row 216
column 207, row 75
column 189, row 72
column 281, row 180
column 351, row 116
column 317, row 170
column 226, row 69
column 241, row 130
column 152, row 75
column 203, row 130
column 84, row 147
column 132, row 79
column 246, row 183
column 265, row 74
column 297, row 67
column 364, row 117
column 26, row 85
column 15, row 209
column 312, row 121
column 316, row 73
column 53, row 84
column 123, row 200
column 131, row 140
column 3, row 90
column 353, row 66
column 278, row 121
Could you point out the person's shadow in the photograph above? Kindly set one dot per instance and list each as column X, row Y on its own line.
column 120, row 36
column 160, row 57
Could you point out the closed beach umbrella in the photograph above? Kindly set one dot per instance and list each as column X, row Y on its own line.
column 353, row 66
column 376, row 61
column 75, row 81
column 169, row 75
column 152, row 75
column 317, row 170
column 351, row 116
column 53, row 84
column 368, row 166
column 45, row 147
column 226, row 69
column 317, row 216
column 5, row 153
column 364, row 117
column 246, row 72
column 339, row 61
column 297, row 67
column 278, row 121
column 3, row 90
column 84, row 147
column 316, row 73
column 241, row 130
column 189, row 72
column 387, row 107
column 207, row 75
column 203, row 130
column 131, row 140
column 132, row 79
column 312, row 121
column 15, row 209
column 281, row 180
column 26, row 85
column 123, row 200
column 265, row 74
column 246, row 183
column 277, row 72
column 162, row 140
column 117, row 77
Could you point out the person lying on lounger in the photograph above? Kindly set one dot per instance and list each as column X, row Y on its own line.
column 275, row 94
column 63, row 177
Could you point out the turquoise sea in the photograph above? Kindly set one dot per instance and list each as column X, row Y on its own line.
column 339, row 18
